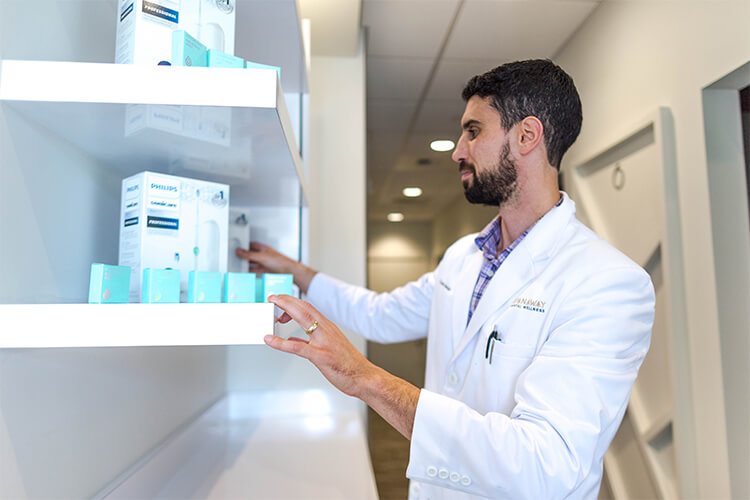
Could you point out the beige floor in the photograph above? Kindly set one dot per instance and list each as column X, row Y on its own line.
column 389, row 452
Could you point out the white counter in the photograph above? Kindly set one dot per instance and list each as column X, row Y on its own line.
column 293, row 445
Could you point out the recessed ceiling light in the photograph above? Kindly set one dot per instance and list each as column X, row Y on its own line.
column 395, row 217
column 412, row 192
column 442, row 145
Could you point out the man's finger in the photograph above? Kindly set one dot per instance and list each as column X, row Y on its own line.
column 299, row 310
column 243, row 253
column 258, row 247
column 284, row 318
column 292, row 346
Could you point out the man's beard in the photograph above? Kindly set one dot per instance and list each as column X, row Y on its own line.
column 493, row 187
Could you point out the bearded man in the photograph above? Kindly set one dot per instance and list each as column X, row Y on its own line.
column 535, row 327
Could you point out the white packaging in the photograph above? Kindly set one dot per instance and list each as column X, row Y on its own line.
column 144, row 27
column 239, row 237
column 172, row 222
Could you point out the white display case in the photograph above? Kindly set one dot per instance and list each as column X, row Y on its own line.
column 86, row 106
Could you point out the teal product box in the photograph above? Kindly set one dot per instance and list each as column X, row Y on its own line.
column 187, row 51
column 273, row 284
column 109, row 284
column 204, row 287
column 254, row 65
column 239, row 288
column 161, row 286
column 218, row 59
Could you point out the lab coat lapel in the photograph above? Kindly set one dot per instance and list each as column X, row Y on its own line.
column 517, row 271
column 462, row 295
column 512, row 275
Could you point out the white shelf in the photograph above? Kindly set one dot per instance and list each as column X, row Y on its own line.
column 246, row 445
column 134, row 325
column 86, row 104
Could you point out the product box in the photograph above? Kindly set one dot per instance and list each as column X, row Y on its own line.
column 160, row 286
column 219, row 59
column 172, row 222
column 109, row 284
column 239, row 237
column 254, row 65
column 187, row 51
column 144, row 27
column 239, row 287
column 204, row 287
column 273, row 284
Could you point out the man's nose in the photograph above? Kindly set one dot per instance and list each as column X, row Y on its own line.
column 459, row 153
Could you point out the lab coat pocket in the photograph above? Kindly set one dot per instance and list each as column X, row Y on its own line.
column 504, row 364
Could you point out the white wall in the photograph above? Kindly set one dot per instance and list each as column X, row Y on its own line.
column 627, row 59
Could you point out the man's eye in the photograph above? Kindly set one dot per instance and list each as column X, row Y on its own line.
column 472, row 132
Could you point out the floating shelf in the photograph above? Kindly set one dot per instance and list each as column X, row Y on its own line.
column 134, row 325
column 88, row 104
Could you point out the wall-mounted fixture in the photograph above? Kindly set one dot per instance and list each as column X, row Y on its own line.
column 395, row 217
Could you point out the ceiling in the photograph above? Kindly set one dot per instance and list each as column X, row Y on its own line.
column 420, row 53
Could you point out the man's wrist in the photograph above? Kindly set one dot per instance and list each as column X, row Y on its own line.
column 303, row 275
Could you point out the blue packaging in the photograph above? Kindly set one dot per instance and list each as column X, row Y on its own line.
column 109, row 284
column 274, row 284
column 187, row 51
column 254, row 65
column 239, row 287
column 219, row 59
column 204, row 287
column 161, row 286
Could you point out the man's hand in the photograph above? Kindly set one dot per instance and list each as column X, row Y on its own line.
column 264, row 259
column 344, row 366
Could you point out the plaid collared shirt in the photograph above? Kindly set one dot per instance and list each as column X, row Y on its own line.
column 487, row 241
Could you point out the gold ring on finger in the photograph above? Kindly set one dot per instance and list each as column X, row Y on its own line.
column 312, row 328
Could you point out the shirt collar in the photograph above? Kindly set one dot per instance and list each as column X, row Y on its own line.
column 489, row 238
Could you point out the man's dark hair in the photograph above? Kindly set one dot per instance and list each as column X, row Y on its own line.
column 539, row 88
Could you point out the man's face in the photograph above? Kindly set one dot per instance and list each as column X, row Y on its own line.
column 488, row 171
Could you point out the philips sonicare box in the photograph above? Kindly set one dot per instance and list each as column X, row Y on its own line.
column 169, row 222
column 144, row 27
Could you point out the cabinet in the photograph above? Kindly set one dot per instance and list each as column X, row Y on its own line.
column 79, row 421
column 84, row 105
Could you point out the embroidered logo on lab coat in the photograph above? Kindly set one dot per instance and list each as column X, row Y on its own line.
column 529, row 304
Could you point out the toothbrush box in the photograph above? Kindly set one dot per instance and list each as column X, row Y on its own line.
column 239, row 287
column 254, row 65
column 204, row 287
column 188, row 51
column 109, row 284
column 273, row 284
column 218, row 59
column 161, row 286
column 169, row 222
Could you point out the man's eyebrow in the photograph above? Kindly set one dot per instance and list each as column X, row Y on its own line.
column 470, row 123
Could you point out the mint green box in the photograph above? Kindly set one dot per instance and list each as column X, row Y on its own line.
column 273, row 284
column 254, row 65
column 204, row 287
column 161, row 286
column 109, row 284
column 239, row 288
column 187, row 51
column 218, row 59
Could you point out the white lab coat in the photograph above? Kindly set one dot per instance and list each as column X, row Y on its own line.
column 574, row 316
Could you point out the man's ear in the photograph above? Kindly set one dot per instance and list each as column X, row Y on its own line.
column 530, row 134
